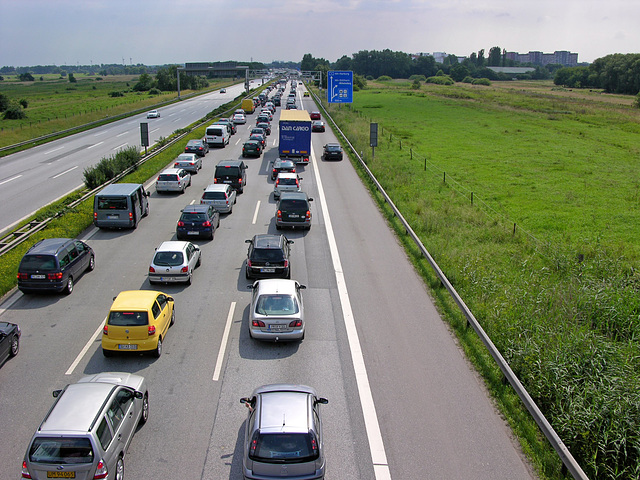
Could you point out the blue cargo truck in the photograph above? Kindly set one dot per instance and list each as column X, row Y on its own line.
column 295, row 135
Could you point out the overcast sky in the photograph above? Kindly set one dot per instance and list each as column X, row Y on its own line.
column 65, row 32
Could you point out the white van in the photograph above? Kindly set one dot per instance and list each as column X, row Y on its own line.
column 217, row 135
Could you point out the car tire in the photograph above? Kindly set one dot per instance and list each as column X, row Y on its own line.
column 92, row 263
column 199, row 262
column 158, row 351
column 145, row 409
column 68, row 289
column 107, row 353
column 15, row 346
column 278, row 227
column 189, row 278
column 173, row 317
column 288, row 277
column 246, row 274
column 119, row 469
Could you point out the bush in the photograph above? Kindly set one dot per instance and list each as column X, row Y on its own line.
column 384, row 78
column 4, row 102
column 108, row 167
column 637, row 102
column 441, row 80
column 14, row 112
column 26, row 77
column 416, row 84
column 481, row 81
column 116, row 94
column 154, row 91
column 420, row 78
column 467, row 79
column 72, row 78
column 369, row 77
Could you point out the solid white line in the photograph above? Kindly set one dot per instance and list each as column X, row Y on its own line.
column 376, row 445
column 255, row 214
column 223, row 343
column 10, row 179
column 120, row 146
column 86, row 348
column 95, row 145
column 121, row 134
column 10, row 301
column 66, row 171
column 54, row 150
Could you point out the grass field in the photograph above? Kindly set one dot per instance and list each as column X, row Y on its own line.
column 55, row 104
column 528, row 197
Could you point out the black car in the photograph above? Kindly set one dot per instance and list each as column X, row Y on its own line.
column 277, row 101
column 268, row 256
column 263, row 119
column 293, row 210
column 260, row 138
column 198, row 221
column 252, row 148
column 232, row 172
column 54, row 264
column 282, row 165
column 317, row 126
column 9, row 340
column 332, row 151
column 265, row 126
column 198, row 147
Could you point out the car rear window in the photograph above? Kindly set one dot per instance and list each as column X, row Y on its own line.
column 193, row 217
column 214, row 196
column 276, row 305
column 284, row 448
column 167, row 178
column 227, row 172
column 333, row 148
column 293, row 205
column 267, row 255
column 44, row 263
column 112, row 203
column 168, row 259
column 216, row 132
column 128, row 319
column 287, row 181
column 65, row 451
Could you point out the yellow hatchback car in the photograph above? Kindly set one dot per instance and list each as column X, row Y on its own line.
column 138, row 322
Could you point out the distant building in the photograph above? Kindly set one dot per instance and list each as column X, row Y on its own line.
column 560, row 57
column 219, row 69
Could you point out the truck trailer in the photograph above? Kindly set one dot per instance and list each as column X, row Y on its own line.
column 295, row 135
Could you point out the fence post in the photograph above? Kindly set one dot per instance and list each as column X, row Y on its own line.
column 514, row 228
column 471, row 198
column 411, row 152
column 444, row 177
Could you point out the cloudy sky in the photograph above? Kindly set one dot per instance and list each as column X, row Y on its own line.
column 65, row 32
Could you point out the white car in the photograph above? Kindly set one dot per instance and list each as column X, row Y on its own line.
column 173, row 180
column 153, row 114
column 239, row 118
column 174, row 261
column 189, row 162
column 277, row 311
column 286, row 182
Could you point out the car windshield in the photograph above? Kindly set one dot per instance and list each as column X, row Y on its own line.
column 168, row 259
column 43, row 263
column 61, row 451
column 193, row 217
column 128, row 319
column 284, row 448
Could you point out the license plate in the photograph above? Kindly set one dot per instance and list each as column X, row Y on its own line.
column 127, row 346
column 193, row 233
column 227, row 181
column 61, row 474
column 282, row 326
column 38, row 277
column 112, row 217
column 267, row 270
column 294, row 215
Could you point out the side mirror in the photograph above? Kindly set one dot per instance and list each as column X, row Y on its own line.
column 311, row 199
column 197, row 247
column 56, row 393
column 245, row 400
column 139, row 395
column 302, row 287
column 248, row 241
column 323, row 401
column 170, row 299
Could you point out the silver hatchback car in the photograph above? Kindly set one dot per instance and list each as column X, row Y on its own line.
column 277, row 310
column 283, row 436
column 286, row 182
column 174, row 261
column 88, row 430
column 173, row 180
column 221, row 196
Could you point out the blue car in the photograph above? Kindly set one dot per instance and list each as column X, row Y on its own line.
column 198, row 221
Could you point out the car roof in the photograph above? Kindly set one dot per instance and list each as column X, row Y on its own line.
column 171, row 170
column 287, row 175
column 48, row 246
column 231, row 163
column 118, row 189
column 172, row 246
column 293, row 195
column 218, row 187
column 187, row 156
column 276, row 286
column 333, row 144
column 284, row 411
column 252, row 141
column 195, row 140
column 134, row 300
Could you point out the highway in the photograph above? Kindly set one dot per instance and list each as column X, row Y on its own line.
column 55, row 169
column 372, row 329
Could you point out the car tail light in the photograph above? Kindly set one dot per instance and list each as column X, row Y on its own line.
column 22, row 276
column 131, row 216
column 279, row 214
column 95, row 215
column 297, row 184
column 216, row 180
column 101, row 470
column 274, row 171
column 240, row 181
column 314, row 442
column 296, row 323
column 305, row 159
column 152, row 270
column 206, row 224
column 184, row 270
column 25, row 471
column 257, row 323
column 278, row 182
column 254, row 443
column 151, row 330
column 54, row 276
column 308, row 215
column 180, row 223
column 175, row 165
column 286, row 263
column 105, row 330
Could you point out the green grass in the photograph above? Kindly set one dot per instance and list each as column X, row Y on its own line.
column 559, row 296
column 55, row 104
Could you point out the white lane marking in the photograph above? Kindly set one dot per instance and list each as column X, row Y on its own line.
column 10, row 301
column 193, row 201
column 378, row 454
column 154, row 130
column 10, row 179
column 100, row 133
column 54, row 150
column 86, row 348
column 95, row 145
column 255, row 214
column 223, row 343
column 121, row 134
column 66, row 171
column 120, row 146
column 238, row 141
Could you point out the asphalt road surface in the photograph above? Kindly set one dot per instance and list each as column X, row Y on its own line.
column 403, row 401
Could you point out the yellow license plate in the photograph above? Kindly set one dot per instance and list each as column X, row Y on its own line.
column 61, row 474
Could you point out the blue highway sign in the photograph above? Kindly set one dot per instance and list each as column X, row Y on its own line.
column 340, row 86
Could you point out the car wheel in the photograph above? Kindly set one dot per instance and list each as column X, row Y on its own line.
column 289, row 274
column 120, row 469
column 173, row 317
column 69, row 288
column 278, row 227
column 15, row 346
column 145, row 409
column 199, row 262
column 107, row 353
column 246, row 274
column 189, row 278
column 92, row 263
column 158, row 351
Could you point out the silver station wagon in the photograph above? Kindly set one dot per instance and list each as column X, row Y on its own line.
column 277, row 311
column 88, row 429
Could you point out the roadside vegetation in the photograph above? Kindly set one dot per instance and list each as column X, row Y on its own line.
column 528, row 197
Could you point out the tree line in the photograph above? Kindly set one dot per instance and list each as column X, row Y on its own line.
column 616, row 73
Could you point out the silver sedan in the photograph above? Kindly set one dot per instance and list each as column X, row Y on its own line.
column 277, row 310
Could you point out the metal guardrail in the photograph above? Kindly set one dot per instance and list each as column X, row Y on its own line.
column 556, row 442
